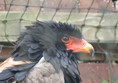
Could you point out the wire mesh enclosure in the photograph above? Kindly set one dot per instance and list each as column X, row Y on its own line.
column 97, row 20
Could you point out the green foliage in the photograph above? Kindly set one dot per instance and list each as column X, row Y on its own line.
column 104, row 81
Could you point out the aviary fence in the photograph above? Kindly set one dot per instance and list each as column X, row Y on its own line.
column 97, row 19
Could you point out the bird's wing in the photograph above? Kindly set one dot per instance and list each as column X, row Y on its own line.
column 14, row 70
column 44, row 73
column 24, row 56
column 11, row 63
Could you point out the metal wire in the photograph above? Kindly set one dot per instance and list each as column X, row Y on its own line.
column 45, row 6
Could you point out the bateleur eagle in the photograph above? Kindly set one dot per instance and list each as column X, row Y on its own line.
column 46, row 52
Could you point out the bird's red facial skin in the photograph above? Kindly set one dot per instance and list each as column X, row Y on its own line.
column 78, row 45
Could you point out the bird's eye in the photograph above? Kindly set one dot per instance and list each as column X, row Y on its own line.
column 65, row 39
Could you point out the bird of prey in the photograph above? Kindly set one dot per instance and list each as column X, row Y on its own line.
column 46, row 52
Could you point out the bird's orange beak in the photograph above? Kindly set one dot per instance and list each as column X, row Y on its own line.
column 79, row 45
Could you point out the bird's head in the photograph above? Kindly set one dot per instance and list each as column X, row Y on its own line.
column 53, row 35
column 78, row 45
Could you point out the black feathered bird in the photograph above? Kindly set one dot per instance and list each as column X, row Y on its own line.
column 46, row 52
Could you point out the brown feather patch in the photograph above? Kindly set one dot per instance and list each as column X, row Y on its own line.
column 11, row 63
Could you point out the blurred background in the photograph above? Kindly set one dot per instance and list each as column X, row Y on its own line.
column 97, row 20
